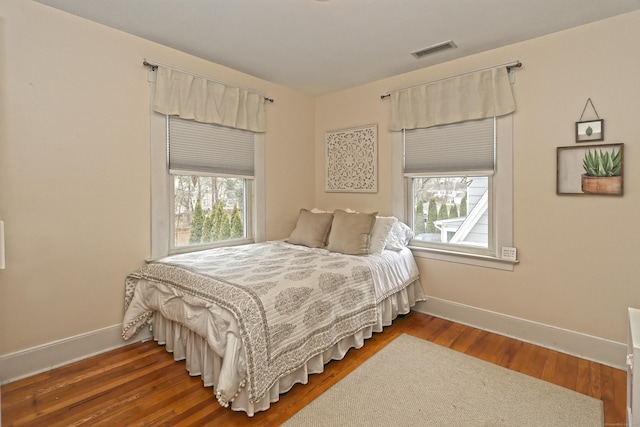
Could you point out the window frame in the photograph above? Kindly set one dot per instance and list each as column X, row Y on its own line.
column 501, row 199
column 248, row 225
column 471, row 250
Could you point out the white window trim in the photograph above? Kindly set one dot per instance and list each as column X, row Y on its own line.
column 160, row 202
column 502, row 202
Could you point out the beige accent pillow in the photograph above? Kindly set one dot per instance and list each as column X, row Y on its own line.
column 311, row 229
column 350, row 232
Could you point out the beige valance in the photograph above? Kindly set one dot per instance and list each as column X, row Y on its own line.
column 197, row 98
column 476, row 95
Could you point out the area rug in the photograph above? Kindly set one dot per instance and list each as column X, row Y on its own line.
column 412, row 382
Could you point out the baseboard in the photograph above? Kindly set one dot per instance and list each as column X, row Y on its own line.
column 22, row 364
column 588, row 347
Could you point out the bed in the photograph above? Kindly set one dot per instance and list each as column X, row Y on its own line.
column 254, row 320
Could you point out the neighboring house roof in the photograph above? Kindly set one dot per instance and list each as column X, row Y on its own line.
column 463, row 226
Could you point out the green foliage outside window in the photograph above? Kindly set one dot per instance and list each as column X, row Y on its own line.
column 419, row 227
column 218, row 214
column 237, row 229
column 225, row 227
column 206, row 229
column 218, row 225
column 443, row 212
column 463, row 206
column 432, row 216
column 197, row 223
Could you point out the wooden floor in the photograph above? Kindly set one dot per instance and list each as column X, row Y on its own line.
column 141, row 384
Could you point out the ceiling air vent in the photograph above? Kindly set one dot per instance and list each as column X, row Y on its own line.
column 433, row 49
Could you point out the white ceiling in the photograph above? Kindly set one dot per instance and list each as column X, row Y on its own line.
column 323, row 46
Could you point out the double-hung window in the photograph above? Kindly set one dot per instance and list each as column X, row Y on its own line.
column 212, row 174
column 207, row 185
column 458, row 190
column 449, row 169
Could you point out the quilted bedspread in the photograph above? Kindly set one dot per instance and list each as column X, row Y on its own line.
column 290, row 303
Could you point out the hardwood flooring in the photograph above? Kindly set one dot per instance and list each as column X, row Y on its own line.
column 141, row 385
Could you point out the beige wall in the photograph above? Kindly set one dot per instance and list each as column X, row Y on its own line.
column 578, row 255
column 74, row 173
column 74, row 167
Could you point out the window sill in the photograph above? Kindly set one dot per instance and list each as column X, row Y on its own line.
column 203, row 247
column 464, row 258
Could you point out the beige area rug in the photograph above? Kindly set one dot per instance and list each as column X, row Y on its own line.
column 412, row 382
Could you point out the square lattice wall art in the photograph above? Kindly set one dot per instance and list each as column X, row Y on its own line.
column 351, row 160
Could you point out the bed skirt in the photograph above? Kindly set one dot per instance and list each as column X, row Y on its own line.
column 202, row 361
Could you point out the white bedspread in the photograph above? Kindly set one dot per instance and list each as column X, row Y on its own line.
column 250, row 302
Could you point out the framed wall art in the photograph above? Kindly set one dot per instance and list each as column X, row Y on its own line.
column 590, row 170
column 351, row 160
column 590, row 131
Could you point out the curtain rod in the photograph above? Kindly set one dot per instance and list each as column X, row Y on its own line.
column 508, row 65
column 154, row 65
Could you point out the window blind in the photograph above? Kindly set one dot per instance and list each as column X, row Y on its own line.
column 208, row 148
column 458, row 148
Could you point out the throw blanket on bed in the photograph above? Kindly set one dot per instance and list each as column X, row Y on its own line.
column 290, row 303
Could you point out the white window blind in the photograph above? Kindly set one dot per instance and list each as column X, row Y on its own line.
column 208, row 148
column 457, row 148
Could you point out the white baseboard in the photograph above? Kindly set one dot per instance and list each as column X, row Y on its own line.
column 588, row 347
column 22, row 364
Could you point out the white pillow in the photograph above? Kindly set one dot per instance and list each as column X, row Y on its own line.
column 380, row 232
column 399, row 237
column 316, row 210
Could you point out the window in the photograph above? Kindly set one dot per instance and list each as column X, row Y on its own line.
column 208, row 209
column 458, row 190
column 212, row 169
column 207, row 185
column 452, row 211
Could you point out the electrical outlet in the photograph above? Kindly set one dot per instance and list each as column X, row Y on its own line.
column 509, row 253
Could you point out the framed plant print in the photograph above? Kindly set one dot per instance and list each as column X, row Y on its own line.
column 590, row 170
